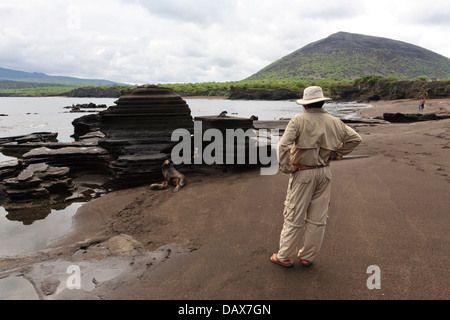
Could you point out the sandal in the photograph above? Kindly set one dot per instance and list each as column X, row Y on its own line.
column 306, row 263
column 284, row 263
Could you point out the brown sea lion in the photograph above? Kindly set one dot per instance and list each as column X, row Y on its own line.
column 171, row 177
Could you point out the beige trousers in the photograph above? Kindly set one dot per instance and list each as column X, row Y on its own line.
column 306, row 209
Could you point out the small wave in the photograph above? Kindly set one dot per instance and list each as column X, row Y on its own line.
column 42, row 125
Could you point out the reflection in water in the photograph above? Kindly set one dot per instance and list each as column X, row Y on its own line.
column 29, row 230
column 28, row 213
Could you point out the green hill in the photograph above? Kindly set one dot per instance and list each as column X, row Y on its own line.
column 344, row 56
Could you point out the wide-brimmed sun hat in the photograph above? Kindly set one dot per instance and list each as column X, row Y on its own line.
column 312, row 95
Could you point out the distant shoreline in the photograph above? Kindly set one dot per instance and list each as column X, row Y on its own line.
column 367, row 89
column 205, row 98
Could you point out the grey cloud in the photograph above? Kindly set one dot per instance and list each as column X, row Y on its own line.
column 332, row 10
column 195, row 11
column 436, row 18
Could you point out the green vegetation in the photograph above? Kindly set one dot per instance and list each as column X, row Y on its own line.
column 371, row 80
column 28, row 89
column 119, row 87
column 18, row 89
column 11, row 88
column 422, row 78
column 223, row 88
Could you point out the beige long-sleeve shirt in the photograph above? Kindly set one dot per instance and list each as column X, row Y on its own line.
column 312, row 137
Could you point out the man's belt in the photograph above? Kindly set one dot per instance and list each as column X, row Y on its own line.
column 302, row 167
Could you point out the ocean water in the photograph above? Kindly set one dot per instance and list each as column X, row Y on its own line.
column 27, row 115
column 20, row 116
column 266, row 110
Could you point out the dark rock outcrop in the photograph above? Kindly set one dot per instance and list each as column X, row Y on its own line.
column 9, row 169
column 81, row 160
column 241, row 142
column 44, row 167
column 138, row 132
column 414, row 117
column 85, row 125
column 37, row 190
column 18, row 145
column 222, row 123
column 38, row 181
column 94, row 92
column 86, row 107
column 42, row 137
column 391, row 90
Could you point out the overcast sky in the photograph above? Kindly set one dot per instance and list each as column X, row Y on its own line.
column 149, row 41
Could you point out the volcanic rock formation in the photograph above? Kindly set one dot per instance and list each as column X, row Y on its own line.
column 38, row 181
column 138, row 132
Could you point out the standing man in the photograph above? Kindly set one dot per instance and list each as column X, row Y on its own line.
column 311, row 140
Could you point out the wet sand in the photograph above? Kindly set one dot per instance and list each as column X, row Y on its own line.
column 213, row 239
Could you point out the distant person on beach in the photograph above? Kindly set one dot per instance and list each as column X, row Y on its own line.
column 311, row 140
column 422, row 104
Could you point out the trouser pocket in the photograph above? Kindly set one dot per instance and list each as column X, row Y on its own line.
column 289, row 211
column 297, row 199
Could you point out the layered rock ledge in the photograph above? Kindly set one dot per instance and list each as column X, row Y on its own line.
column 138, row 132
